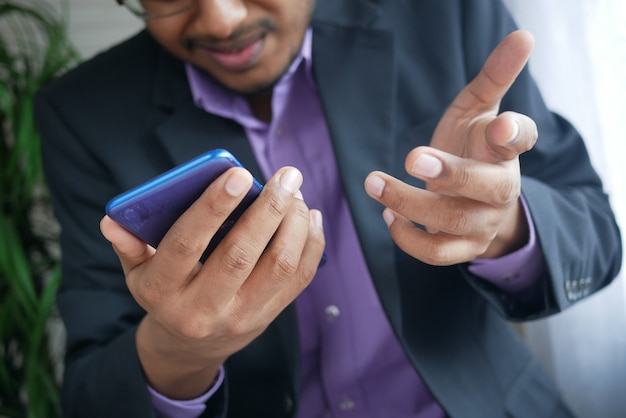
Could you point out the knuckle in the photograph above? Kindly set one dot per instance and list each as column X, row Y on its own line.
column 193, row 327
column 277, row 207
column 438, row 254
column 240, row 323
column 217, row 208
column 236, row 260
column 461, row 220
column 301, row 210
column 456, row 221
column 235, row 327
column 461, row 179
column 285, row 265
column 507, row 191
column 185, row 244
column 147, row 291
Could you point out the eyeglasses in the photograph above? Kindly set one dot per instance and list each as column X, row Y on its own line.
column 155, row 9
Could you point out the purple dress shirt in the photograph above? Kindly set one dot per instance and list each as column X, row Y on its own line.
column 352, row 364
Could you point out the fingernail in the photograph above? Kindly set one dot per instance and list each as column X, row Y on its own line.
column 316, row 217
column 427, row 166
column 290, row 180
column 388, row 216
column 375, row 185
column 236, row 184
column 298, row 195
column 514, row 134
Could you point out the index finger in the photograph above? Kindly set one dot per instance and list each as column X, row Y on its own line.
column 494, row 184
column 499, row 72
column 187, row 239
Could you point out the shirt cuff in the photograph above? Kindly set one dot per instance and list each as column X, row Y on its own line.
column 191, row 408
column 517, row 271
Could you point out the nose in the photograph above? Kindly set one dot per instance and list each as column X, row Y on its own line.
column 220, row 18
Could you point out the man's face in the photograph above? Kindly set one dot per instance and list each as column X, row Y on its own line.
column 246, row 45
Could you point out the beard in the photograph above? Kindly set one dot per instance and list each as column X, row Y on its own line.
column 260, row 89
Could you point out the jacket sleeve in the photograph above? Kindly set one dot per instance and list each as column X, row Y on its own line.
column 575, row 225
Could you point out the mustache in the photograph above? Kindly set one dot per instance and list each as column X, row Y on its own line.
column 240, row 37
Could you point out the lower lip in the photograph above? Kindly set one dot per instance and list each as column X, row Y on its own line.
column 237, row 60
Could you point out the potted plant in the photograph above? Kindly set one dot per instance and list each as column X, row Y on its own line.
column 34, row 48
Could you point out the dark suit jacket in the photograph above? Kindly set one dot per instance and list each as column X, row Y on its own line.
column 386, row 70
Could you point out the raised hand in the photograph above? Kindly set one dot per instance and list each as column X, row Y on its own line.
column 471, row 207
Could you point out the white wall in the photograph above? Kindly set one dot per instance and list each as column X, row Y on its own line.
column 95, row 25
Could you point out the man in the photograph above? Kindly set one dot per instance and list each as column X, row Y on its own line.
column 339, row 106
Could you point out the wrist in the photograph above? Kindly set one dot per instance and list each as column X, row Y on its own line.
column 512, row 235
column 176, row 368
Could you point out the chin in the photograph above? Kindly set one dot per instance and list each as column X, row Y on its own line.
column 249, row 84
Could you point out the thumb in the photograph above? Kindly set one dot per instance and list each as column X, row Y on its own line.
column 511, row 134
column 131, row 250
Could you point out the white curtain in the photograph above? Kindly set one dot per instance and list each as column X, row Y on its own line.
column 579, row 62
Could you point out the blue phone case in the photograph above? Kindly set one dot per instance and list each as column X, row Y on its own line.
column 149, row 210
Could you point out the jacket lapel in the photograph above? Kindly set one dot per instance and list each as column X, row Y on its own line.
column 187, row 131
column 191, row 131
column 358, row 109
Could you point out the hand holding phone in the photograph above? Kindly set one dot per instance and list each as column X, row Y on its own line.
column 199, row 315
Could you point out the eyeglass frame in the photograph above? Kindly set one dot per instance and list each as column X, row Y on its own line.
column 146, row 16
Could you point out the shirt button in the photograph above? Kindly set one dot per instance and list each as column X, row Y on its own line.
column 332, row 312
column 288, row 403
column 346, row 404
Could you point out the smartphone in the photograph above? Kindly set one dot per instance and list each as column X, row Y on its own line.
column 150, row 209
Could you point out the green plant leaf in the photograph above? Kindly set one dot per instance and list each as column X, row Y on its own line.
column 34, row 48
column 34, row 362
column 18, row 272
